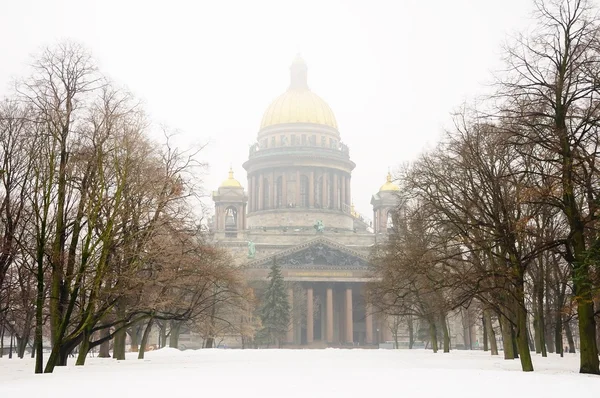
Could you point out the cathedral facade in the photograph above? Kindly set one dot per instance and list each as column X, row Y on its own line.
column 298, row 211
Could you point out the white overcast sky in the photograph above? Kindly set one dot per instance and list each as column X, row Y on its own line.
column 392, row 71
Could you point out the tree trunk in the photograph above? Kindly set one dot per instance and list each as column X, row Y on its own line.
column 133, row 334
column 21, row 346
column 445, row 332
column 58, row 245
column 558, row 337
column 39, row 300
column 464, row 314
column 549, row 323
column 163, row 334
column 174, row 334
column 433, row 336
column 536, row 321
column 541, row 324
column 411, row 333
column 84, row 348
column 144, row 344
column 104, row 347
column 63, row 356
column 507, row 340
column 10, row 346
column 490, row 332
column 513, row 336
column 570, row 340
column 485, row 334
column 2, row 340
column 588, row 352
column 522, row 340
column 119, row 345
column 210, row 341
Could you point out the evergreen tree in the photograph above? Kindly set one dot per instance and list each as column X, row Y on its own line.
column 275, row 312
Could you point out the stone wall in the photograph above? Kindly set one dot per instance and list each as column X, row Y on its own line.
column 300, row 218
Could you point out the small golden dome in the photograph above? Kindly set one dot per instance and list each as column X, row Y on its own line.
column 298, row 104
column 231, row 182
column 389, row 185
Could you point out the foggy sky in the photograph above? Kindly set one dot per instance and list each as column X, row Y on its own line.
column 392, row 71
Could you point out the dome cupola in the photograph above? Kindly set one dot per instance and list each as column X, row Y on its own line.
column 230, row 182
column 298, row 104
column 389, row 185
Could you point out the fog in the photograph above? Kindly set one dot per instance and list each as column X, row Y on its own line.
column 392, row 71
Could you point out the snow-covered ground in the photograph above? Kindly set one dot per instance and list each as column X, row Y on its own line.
column 302, row 373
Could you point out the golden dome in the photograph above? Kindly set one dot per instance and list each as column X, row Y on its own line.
column 389, row 185
column 231, row 182
column 298, row 104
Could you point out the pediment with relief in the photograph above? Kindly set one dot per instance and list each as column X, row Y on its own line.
column 319, row 253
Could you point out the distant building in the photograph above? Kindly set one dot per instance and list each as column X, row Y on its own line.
column 298, row 210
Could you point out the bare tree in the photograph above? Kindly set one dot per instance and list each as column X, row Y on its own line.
column 548, row 97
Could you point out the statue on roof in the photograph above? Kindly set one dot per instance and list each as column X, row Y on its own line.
column 319, row 226
column 251, row 249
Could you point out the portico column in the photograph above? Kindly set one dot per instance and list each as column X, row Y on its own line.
column 335, row 190
column 297, row 200
column 244, row 207
column 284, row 200
column 343, row 200
column 369, row 323
column 329, row 311
column 311, row 189
column 290, row 332
column 222, row 218
column 250, row 193
column 324, row 203
column 240, row 218
column 261, row 187
column 309, row 316
column 272, row 193
column 349, row 322
column 349, row 190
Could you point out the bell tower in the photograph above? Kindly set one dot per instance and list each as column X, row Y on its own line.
column 230, row 208
column 384, row 202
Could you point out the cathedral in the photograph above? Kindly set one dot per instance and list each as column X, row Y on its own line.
column 297, row 210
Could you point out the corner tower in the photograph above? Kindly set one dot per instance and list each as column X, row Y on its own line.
column 299, row 171
column 230, row 207
column 384, row 202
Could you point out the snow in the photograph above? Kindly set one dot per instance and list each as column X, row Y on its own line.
column 303, row 373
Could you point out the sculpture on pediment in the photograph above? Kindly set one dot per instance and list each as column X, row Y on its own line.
column 251, row 249
column 319, row 226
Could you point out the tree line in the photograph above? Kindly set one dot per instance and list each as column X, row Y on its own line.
column 100, row 228
column 503, row 214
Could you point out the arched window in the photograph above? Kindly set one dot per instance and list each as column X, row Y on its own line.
column 278, row 192
column 390, row 220
column 231, row 222
column 304, row 191
column 266, row 194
